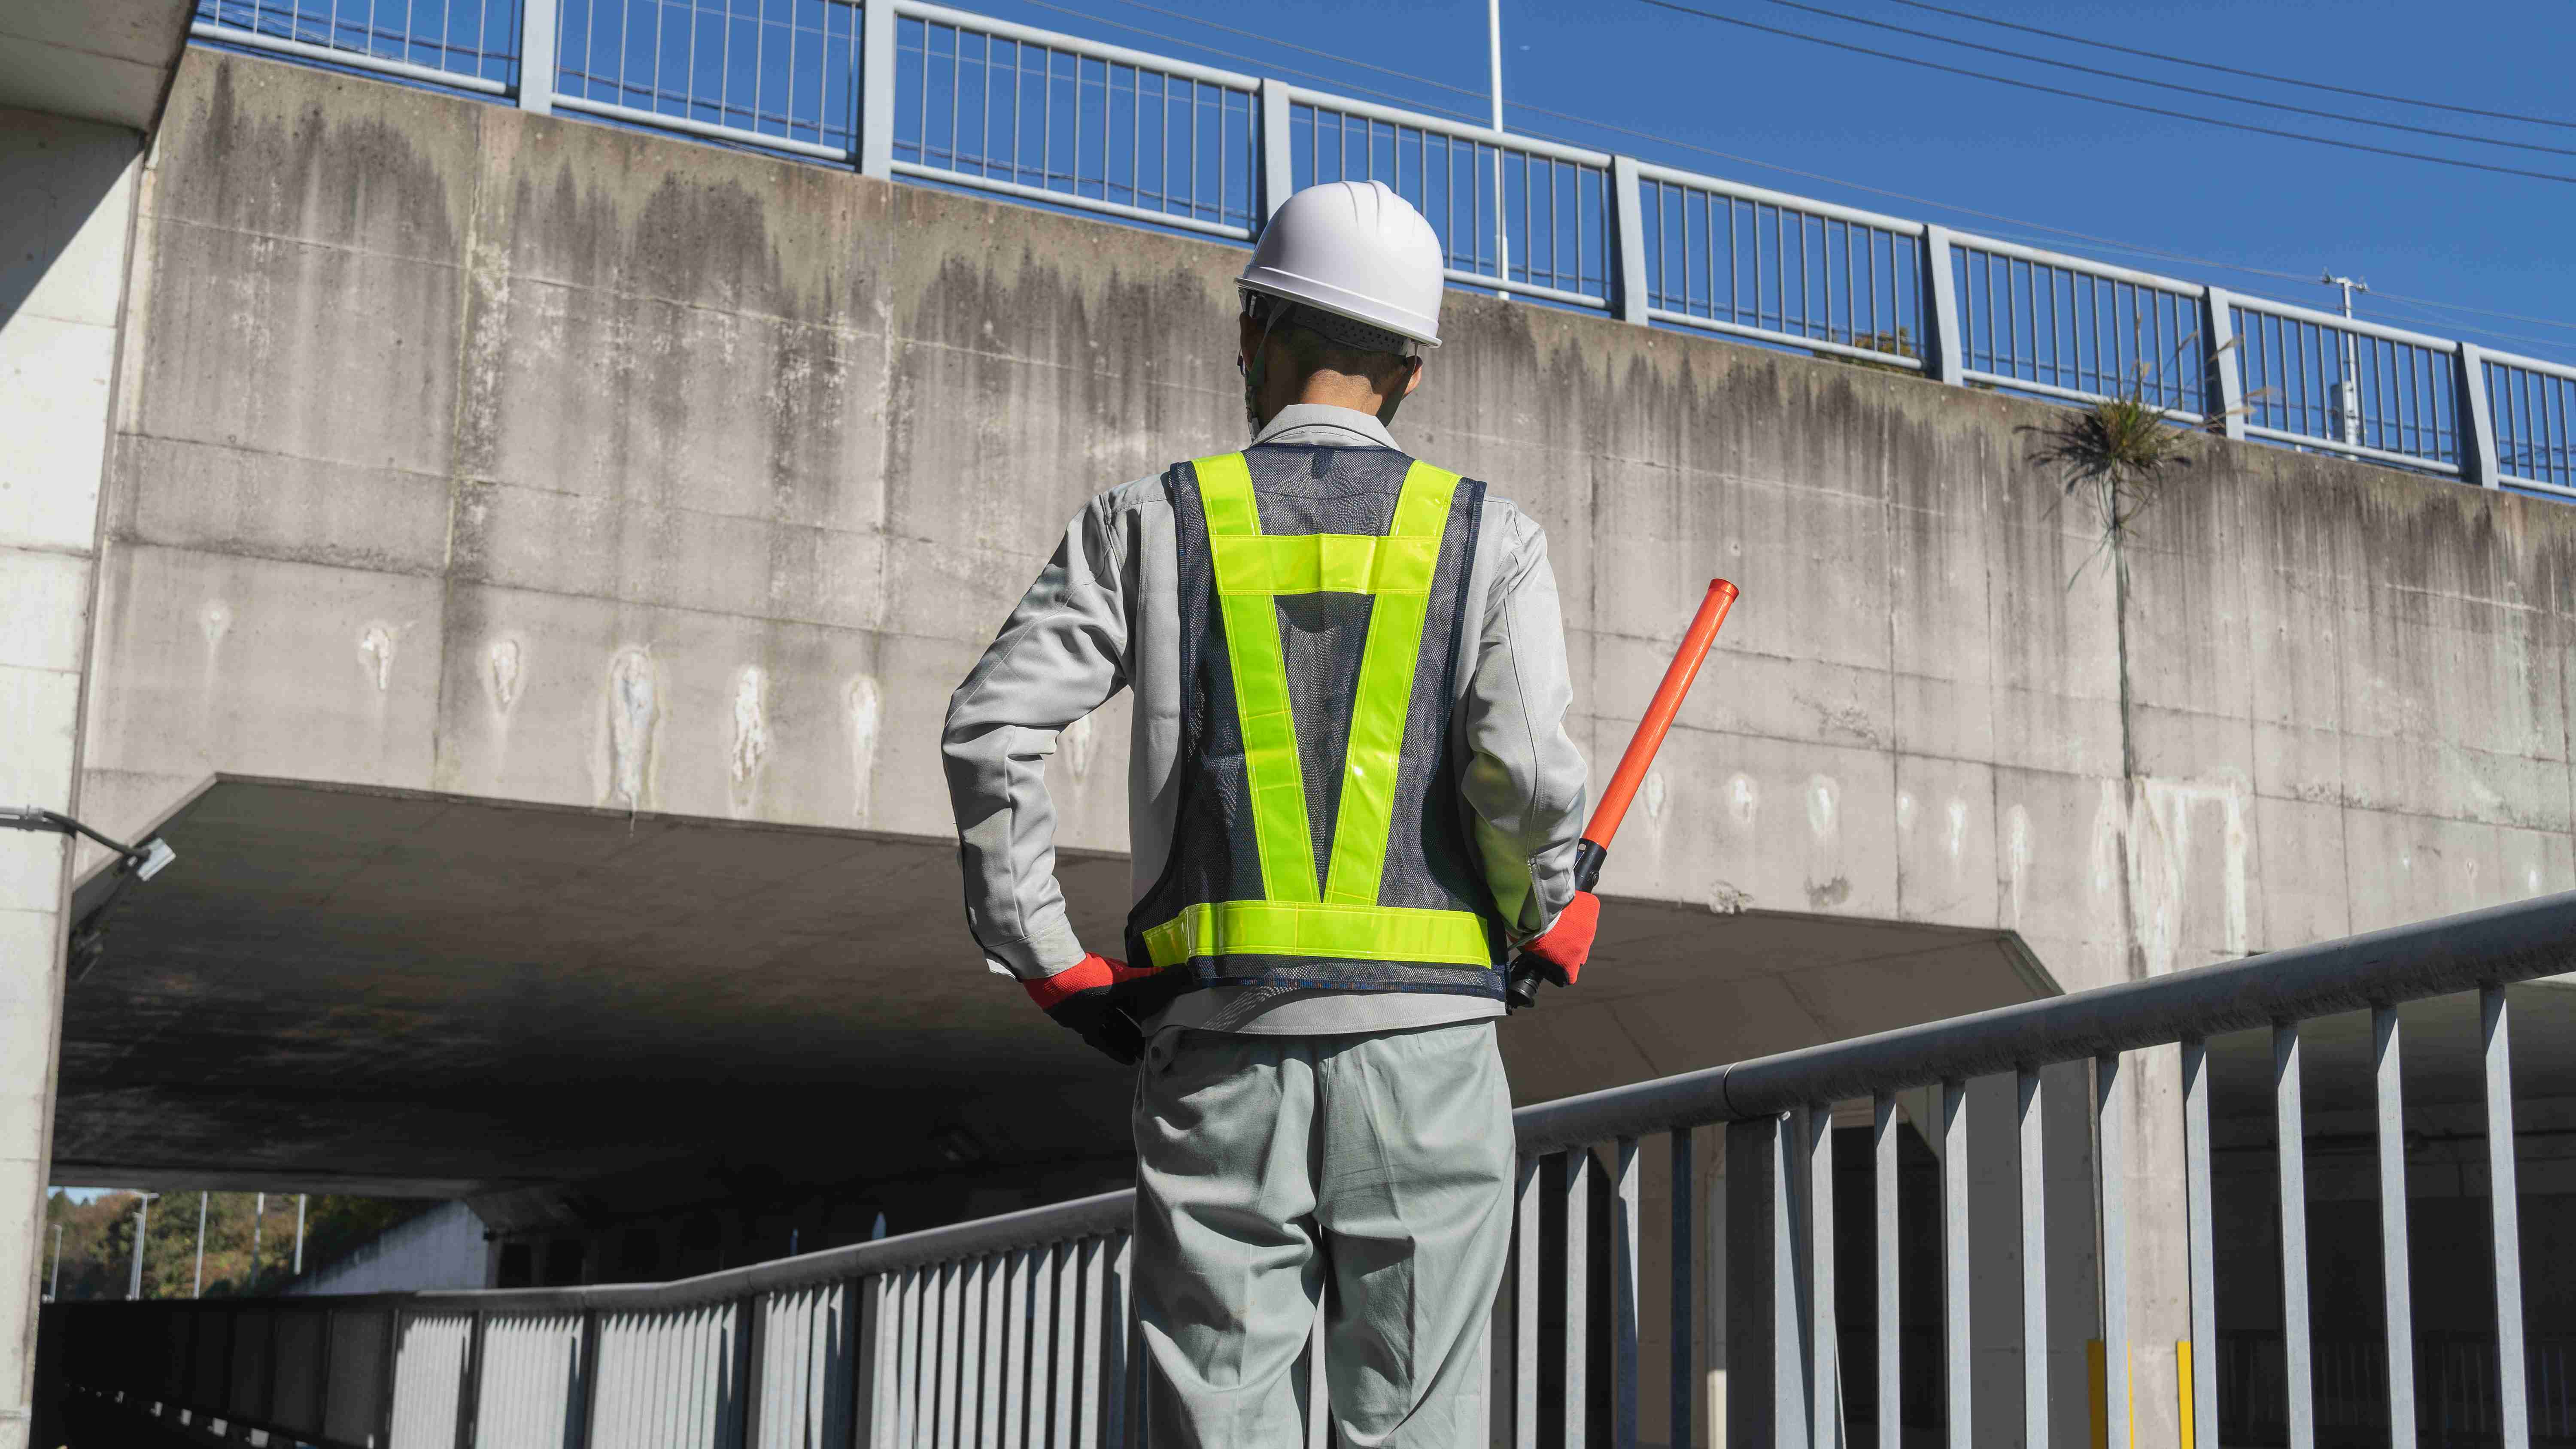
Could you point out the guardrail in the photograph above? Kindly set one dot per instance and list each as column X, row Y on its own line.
column 1017, row 1330
column 904, row 88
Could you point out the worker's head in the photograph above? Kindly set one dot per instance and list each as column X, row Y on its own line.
column 1339, row 301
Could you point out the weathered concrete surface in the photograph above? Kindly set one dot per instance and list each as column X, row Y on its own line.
column 494, row 458
column 69, row 188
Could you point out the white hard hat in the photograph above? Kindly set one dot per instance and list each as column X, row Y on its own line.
column 1357, row 250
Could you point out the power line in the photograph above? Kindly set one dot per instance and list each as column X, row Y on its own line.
column 2113, row 244
column 1289, row 45
column 2235, row 70
column 2170, row 85
column 2109, row 101
column 1251, row 60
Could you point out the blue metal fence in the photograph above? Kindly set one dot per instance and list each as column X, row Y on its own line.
column 905, row 88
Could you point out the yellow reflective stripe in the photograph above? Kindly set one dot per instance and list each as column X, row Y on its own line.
column 1272, row 773
column 1325, row 563
column 1384, row 700
column 1330, row 932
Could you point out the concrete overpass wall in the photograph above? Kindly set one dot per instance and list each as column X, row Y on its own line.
column 519, row 458
column 531, row 459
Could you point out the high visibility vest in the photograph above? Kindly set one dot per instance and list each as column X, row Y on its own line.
column 1320, row 839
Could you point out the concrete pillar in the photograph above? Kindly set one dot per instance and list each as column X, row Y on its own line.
column 64, row 239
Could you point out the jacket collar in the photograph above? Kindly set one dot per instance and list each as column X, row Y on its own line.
column 1322, row 423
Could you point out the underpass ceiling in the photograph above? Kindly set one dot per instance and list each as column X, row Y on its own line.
column 94, row 60
column 399, row 992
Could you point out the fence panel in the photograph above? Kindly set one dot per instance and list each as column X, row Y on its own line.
column 354, row 1402
column 808, row 1362
column 2336, row 384
column 296, row 1349
column 782, row 73
column 531, row 1388
column 429, row 1378
column 2077, row 330
column 1759, row 264
column 1513, row 214
column 2534, row 406
column 1000, row 107
column 469, row 44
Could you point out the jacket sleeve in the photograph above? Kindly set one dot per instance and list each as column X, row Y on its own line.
column 1524, row 777
column 1061, row 655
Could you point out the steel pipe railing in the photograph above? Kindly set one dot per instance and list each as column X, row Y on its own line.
column 1017, row 1329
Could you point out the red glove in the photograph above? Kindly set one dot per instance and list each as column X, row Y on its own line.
column 1083, row 998
column 1562, row 948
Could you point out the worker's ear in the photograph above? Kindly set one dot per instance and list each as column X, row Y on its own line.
column 1247, row 339
column 1413, row 375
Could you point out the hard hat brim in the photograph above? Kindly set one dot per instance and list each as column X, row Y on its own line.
column 1323, row 296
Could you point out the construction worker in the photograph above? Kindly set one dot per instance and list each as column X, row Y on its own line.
column 1351, row 796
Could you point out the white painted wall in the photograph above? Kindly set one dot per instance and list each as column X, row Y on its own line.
column 64, row 228
column 442, row 1248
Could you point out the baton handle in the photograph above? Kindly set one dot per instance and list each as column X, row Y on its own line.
column 1594, row 848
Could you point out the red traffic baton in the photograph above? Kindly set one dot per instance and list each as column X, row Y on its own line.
column 1594, row 848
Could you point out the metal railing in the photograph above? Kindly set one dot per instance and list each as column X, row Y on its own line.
column 908, row 89
column 1017, row 1330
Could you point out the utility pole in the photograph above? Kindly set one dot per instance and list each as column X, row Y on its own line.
column 200, row 1290
column 142, row 1230
column 1494, row 60
column 2347, row 393
column 299, row 1234
column 258, row 1223
column 54, row 1287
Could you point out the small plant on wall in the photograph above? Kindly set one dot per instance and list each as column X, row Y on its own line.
column 2119, row 454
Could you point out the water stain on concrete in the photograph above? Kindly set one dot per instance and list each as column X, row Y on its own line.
column 750, row 734
column 634, row 709
column 376, row 655
column 864, row 711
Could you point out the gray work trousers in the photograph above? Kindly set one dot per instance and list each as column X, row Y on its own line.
column 1369, row 1172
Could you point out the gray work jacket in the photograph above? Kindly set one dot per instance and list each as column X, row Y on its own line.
column 1105, row 614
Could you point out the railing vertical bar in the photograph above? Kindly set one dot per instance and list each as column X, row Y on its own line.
column 950, row 1349
column 1118, row 1338
column 1958, row 1376
column 1064, row 1266
column 1684, row 1358
column 1884, row 1133
column 2111, row 1133
column 1624, row 1292
column 2395, row 1281
column 1525, row 1309
column 1824, row 1352
column 2288, row 1122
column 997, row 1282
column 1792, row 1350
column 1029, row 1425
column 2030, row 1105
column 1576, row 1183
column 1094, row 1322
column 2512, row 1396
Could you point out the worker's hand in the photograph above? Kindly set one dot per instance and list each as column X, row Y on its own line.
column 1564, row 946
column 1083, row 998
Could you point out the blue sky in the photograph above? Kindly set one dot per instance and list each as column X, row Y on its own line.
column 2418, row 231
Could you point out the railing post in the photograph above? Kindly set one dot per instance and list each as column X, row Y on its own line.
column 1941, row 350
column 2474, row 420
column 1630, row 218
column 1278, row 154
column 537, row 56
column 2226, row 379
column 876, row 90
column 1766, row 1400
